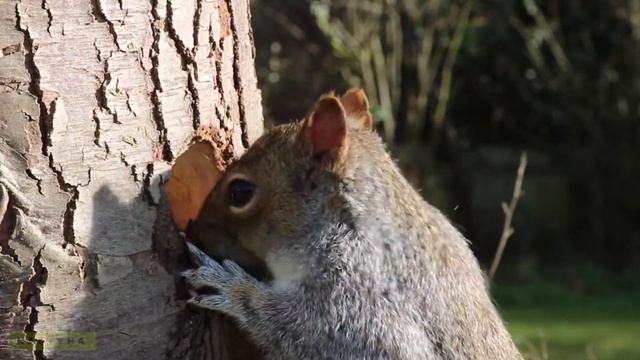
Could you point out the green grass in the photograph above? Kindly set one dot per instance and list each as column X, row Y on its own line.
column 549, row 322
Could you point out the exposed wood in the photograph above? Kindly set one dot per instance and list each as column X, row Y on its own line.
column 96, row 98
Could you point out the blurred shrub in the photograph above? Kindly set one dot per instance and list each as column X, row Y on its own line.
column 450, row 79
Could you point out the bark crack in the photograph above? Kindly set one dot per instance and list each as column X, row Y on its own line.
column 96, row 132
column 98, row 14
column 30, row 335
column 29, row 297
column 8, row 222
column 146, row 185
column 31, row 175
column 187, row 63
column 46, row 119
column 237, row 83
column 196, row 27
column 74, row 193
column 28, row 116
column 157, row 26
column 68, row 232
column 11, row 49
column 129, row 107
column 216, row 51
column 46, row 8
column 87, row 268
column 133, row 169
column 195, row 98
column 101, row 99
column 98, row 52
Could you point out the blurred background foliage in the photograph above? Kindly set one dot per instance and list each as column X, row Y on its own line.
column 458, row 90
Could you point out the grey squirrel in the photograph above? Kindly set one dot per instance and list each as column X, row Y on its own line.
column 357, row 264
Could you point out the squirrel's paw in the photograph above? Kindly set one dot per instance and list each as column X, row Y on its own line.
column 235, row 288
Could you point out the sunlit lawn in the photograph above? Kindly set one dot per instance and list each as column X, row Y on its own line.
column 558, row 325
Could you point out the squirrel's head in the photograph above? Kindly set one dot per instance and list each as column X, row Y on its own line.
column 272, row 194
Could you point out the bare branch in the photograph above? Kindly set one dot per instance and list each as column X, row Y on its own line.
column 509, row 210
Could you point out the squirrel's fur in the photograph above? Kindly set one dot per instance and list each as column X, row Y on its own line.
column 361, row 267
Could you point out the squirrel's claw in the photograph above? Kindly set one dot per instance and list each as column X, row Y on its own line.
column 198, row 256
column 203, row 277
column 211, row 302
column 235, row 269
column 233, row 284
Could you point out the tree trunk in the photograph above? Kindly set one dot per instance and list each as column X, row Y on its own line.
column 96, row 99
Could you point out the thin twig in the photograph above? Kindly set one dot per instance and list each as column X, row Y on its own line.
column 509, row 210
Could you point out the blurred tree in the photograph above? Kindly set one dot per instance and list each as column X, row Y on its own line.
column 449, row 78
column 294, row 63
column 402, row 52
column 563, row 77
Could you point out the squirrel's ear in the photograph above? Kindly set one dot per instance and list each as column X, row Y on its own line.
column 325, row 128
column 356, row 106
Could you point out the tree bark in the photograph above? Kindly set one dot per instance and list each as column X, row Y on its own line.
column 96, row 99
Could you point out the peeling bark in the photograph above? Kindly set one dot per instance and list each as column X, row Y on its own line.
column 96, row 99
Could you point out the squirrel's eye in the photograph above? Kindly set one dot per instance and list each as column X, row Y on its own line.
column 240, row 192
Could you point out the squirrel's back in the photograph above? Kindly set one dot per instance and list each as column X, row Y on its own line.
column 423, row 259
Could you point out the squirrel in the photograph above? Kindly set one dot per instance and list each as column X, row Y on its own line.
column 347, row 260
